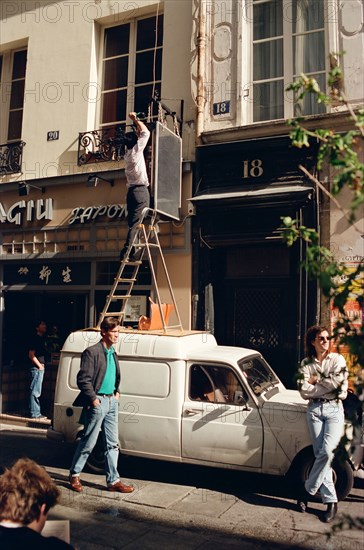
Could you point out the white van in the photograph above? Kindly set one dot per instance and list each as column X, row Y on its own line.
column 185, row 399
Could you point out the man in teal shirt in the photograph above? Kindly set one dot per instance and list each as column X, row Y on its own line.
column 98, row 381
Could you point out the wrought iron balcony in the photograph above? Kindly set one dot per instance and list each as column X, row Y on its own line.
column 101, row 145
column 11, row 155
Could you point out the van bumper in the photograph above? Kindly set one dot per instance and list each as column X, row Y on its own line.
column 54, row 435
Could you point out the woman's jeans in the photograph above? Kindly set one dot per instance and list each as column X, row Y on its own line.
column 102, row 418
column 326, row 426
column 36, row 381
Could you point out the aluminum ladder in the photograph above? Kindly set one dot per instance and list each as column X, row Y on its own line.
column 145, row 240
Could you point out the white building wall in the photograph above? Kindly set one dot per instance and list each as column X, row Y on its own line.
column 351, row 32
column 228, row 76
column 63, row 77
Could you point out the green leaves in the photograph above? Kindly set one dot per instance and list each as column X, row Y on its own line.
column 338, row 284
column 336, row 148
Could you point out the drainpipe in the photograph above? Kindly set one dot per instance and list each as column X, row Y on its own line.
column 201, row 67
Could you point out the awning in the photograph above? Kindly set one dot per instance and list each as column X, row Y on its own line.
column 269, row 194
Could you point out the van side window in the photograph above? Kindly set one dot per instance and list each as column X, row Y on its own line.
column 216, row 384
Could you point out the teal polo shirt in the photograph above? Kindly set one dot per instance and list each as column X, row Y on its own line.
column 108, row 383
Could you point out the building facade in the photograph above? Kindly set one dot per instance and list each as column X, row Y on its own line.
column 248, row 286
column 70, row 74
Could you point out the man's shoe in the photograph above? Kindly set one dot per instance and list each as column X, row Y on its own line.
column 40, row 417
column 75, row 484
column 330, row 512
column 119, row 487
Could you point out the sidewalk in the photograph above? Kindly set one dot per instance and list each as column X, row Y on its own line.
column 164, row 515
column 17, row 419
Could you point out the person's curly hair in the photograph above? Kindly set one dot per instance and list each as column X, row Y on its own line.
column 310, row 336
column 23, row 490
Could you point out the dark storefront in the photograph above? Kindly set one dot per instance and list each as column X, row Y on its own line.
column 251, row 289
column 65, row 294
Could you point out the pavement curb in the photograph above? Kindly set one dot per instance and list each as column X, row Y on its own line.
column 19, row 420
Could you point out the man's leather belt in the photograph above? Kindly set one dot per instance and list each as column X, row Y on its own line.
column 104, row 394
column 322, row 400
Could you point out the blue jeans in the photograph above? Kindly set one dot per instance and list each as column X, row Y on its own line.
column 326, row 425
column 36, row 381
column 104, row 417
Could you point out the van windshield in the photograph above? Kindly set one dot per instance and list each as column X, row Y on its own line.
column 259, row 375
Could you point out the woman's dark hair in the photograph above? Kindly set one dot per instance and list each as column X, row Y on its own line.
column 311, row 335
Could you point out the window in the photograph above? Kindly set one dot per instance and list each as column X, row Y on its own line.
column 145, row 379
column 132, row 68
column 216, row 384
column 288, row 39
column 260, row 376
column 12, row 74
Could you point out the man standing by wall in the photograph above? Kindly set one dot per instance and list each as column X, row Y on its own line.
column 137, row 197
column 37, row 355
column 98, row 380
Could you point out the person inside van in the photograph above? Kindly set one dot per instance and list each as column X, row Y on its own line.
column 202, row 388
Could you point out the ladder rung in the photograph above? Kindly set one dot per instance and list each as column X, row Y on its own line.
column 121, row 280
column 135, row 262
column 119, row 296
column 145, row 245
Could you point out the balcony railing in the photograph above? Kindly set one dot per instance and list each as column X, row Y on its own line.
column 100, row 145
column 11, row 155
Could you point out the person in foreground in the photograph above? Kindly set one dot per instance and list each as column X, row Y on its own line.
column 27, row 493
column 99, row 380
column 323, row 381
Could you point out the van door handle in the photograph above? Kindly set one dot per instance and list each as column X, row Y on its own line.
column 192, row 412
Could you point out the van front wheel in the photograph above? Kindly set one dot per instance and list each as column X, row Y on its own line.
column 342, row 473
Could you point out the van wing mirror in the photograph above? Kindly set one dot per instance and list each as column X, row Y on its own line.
column 239, row 399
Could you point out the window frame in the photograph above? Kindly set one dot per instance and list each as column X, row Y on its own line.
column 6, row 86
column 131, row 84
column 201, row 365
column 288, row 60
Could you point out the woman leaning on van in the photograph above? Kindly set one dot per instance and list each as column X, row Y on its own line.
column 323, row 381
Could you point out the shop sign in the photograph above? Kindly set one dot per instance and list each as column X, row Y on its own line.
column 90, row 213
column 41, row 209
column 240, row 164
column 47, row 273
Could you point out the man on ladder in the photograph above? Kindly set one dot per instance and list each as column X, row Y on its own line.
column 137, row 197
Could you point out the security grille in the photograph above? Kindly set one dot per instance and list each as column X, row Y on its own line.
column 258, row 318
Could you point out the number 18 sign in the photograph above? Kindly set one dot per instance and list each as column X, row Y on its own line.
column 222, row 108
